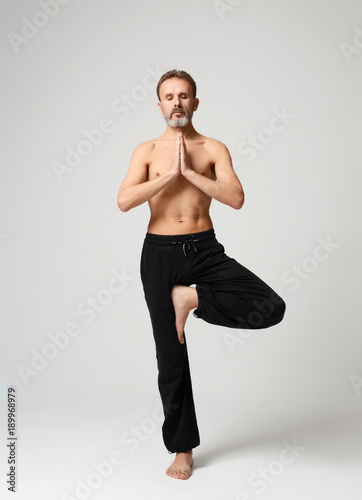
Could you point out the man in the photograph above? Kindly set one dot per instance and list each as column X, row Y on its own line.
column 178, row 174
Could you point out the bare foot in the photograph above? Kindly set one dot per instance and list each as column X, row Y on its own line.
column 181, row 467
column 184, row 298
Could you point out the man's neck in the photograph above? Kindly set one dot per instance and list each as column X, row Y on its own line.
column 188, row 132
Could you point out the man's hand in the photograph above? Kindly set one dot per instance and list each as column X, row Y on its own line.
column 184, row 156
column 176, row 158
column 180, row 161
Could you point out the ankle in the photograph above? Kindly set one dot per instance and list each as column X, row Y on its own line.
column 187, row 452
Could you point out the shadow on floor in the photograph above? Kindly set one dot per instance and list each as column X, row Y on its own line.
column 332, row 438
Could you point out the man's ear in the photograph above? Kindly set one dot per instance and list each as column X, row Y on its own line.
column 196, row 103
column 160, row 107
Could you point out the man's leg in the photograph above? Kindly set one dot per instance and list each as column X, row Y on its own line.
column 242, row 300
column 179, row 429
column 227, row 293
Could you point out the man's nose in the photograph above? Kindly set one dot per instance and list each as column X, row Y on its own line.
column 177, row 102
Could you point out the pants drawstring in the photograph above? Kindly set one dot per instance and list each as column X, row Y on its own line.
column 186, row 245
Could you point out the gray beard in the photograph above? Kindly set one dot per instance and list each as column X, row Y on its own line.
column 179, row 122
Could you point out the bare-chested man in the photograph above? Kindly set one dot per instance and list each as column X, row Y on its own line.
column 178, row 174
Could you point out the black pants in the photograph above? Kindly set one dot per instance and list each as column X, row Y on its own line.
column 228, row 295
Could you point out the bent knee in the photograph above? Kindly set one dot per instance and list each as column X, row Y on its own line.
column 271, row 312
column 280, row 309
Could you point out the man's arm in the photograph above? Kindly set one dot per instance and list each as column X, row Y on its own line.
column 227, row 189
column 134, row 190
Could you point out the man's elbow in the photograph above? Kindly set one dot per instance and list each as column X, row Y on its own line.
column 239, row 201
column 122, row 204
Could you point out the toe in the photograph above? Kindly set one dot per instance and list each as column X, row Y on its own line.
column 184, row 475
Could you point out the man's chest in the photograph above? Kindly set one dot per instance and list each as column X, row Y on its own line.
column 160, row 160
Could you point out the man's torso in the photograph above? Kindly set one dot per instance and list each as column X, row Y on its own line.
column 181, row 207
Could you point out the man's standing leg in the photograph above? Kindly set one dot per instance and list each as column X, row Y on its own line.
column 179, row 430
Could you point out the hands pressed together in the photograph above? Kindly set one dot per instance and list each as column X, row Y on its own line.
column 181, row 164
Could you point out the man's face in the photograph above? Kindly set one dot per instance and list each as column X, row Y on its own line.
column 176, row 102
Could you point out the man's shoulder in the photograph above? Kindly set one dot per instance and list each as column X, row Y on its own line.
column 213, row 144
column 148, row 146
column 145, row 146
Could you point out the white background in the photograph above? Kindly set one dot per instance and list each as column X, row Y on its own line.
column 62, row 238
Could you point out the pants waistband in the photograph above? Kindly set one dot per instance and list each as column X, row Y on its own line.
column 169, row 239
